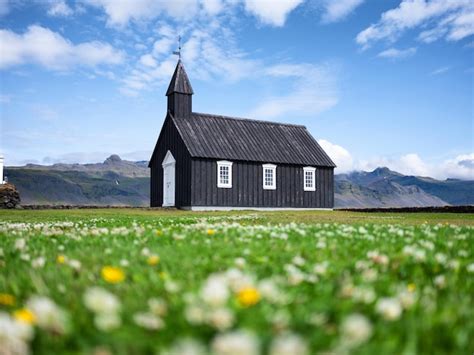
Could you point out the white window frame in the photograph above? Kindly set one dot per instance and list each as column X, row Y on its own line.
column 312, row 171
column 220, row 184
column 271, row 167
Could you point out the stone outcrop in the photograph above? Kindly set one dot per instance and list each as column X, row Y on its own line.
column 9, row 196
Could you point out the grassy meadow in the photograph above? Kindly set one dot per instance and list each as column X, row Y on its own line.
column 132, row 281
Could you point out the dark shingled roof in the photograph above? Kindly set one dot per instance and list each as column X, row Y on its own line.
column 180, row 82
column 221, row 137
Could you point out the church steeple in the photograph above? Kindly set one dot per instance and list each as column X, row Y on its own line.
column 180, row 93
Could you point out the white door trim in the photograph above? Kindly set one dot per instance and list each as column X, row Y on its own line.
column 169, row 180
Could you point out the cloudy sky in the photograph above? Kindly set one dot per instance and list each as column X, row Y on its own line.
column 378, row 83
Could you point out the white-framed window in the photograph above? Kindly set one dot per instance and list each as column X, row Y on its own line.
column 309, row 178
column 224, row 174
column 269, row 177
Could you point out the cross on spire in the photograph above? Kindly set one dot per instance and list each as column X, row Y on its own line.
column 178, row 52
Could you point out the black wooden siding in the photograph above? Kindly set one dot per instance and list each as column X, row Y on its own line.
column 247, row 186
column 170, row 140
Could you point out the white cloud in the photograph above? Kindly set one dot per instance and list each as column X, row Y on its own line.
column 339, row 155
column 452, row 20
column 272, row 12
column 208, row 53
column 212, row 7
column 313, row 91
column 336, row 10
column 457, row 167
column 461, row 166
column 59, row 8
column 119, row 13
column 441, row 70
column 394, row 53
column 163, row 45
column 148, row 60
column 49, row 49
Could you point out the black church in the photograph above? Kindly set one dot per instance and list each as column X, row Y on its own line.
column 209, row 162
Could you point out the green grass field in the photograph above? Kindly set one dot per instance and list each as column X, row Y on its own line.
column 131, row 281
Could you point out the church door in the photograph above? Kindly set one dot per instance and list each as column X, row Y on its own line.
column 169, row 180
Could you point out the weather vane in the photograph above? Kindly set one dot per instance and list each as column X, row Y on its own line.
column 178, row 52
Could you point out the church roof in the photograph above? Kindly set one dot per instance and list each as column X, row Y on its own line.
column 180, row 82
column 230, row 138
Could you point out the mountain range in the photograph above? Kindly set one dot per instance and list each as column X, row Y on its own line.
column 121, row 182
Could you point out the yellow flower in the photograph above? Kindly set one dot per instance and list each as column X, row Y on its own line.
column 411, row 287
column 25, row 315
column 159, row 232
column 113, row 274
column 60, row 259
column 248, row 296
column 153, row 260
column 211, row 232
column 7, row 299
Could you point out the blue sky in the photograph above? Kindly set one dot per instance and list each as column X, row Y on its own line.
column 378, row 83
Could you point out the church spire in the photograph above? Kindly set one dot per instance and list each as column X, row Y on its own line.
column 180, row 93
column 180, row 82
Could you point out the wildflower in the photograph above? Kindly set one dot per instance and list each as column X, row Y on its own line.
column 48, row 314
column 298, row 260
column 235, row 343
column 14, row 335
column 288, row 344
column 60, row 259
column 75, row 264
column 321, row 268
column 411, row 287
column 171, row 286
column 470, row 268
column 280, row 320
column 113, row 274
column 107, row 321
column 20, row 244
column 25, row 315
column 248, row 296
column 159, row 233
column 186, row 346
column 106, row 307
column 7, row 299
column 211, row 232
column 269, row 291
column 38, row 262
column 221, row 318
column 240, row 262
column 215, row 291
column 355, row 330
column 389, row 308
column 148, row 321
column 157, row 306
column 153, row 260
column 124, row 263
column 195, row 314
column 99, row 300
column 440, row 281
column 377, row 258
column 407, row 298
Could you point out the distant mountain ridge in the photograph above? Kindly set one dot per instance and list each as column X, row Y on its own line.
column 127, row 183
column 386, row 188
